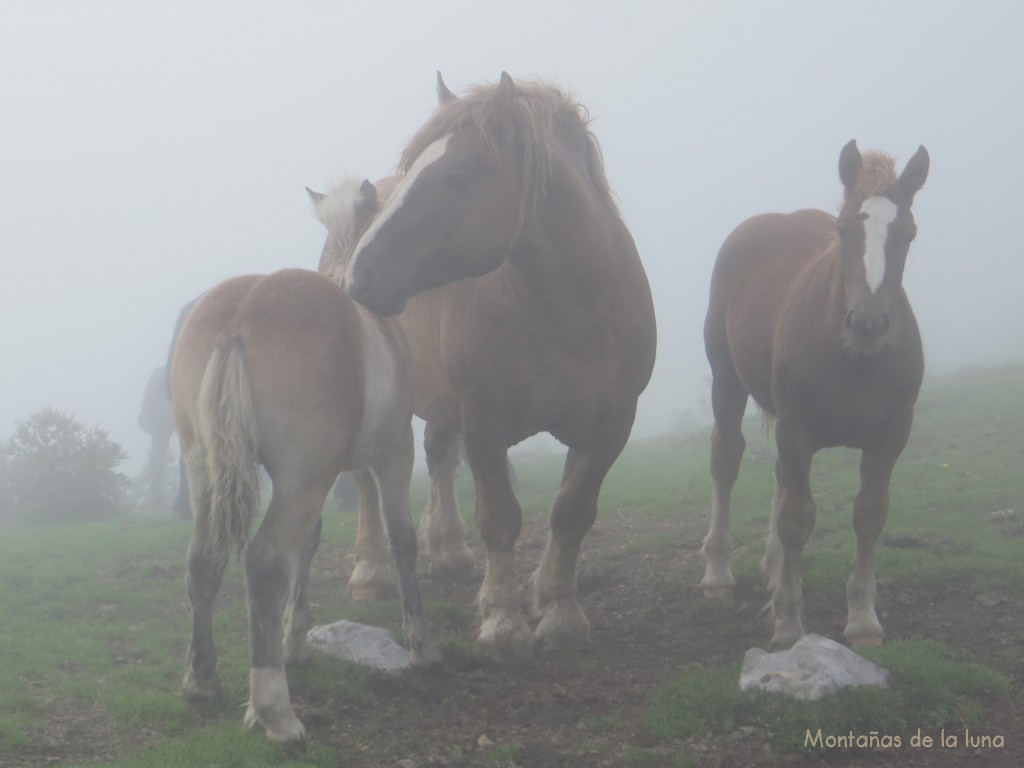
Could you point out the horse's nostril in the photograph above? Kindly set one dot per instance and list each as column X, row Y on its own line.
column 849, row 319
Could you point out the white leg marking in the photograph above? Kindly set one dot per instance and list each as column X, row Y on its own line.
column 270, row 705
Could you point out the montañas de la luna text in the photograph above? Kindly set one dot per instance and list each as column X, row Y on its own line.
column 919, row 740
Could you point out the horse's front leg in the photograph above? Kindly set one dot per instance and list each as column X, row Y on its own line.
column 442, row 533
column 271, row 572
column 393, row 473
column 870, row 511
column 373, row 577
column 563, row 623
column 504, row 631
column 795, row 521
column 728, row 401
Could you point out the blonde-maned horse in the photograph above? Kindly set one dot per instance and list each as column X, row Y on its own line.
column 346, row 211
column 534, row 314
column 287, row 372
column 808, row 316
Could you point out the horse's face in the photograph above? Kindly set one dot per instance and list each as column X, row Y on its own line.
column 875, row 232
column 453, row 214
column 346, row 212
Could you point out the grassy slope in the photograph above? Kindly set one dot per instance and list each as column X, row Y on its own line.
column 96, row 616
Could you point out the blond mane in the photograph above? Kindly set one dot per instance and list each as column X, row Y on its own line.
column 337, row 211
column 877, row 174
column 541, row 114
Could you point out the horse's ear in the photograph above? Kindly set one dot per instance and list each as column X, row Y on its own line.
column 504, row 99
column 849, row 165
column 916, row 172
column 316, row 197
column 444, row 95
column 369, row 192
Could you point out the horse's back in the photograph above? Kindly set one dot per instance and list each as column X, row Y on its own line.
column 757, row 267
column 302, row 341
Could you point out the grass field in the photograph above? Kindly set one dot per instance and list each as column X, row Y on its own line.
column 96, row 621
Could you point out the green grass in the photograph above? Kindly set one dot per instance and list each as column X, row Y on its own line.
column 931, row 687
column 96, row 617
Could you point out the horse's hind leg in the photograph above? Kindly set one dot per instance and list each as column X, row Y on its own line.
column 205, row 571
column 563, row 623
column 296, row 646
column 373, row 577
column 504, row 632
column 271, row 572
column 442, row 534
column 393, row 474
column 728, row 402
column 870, row 510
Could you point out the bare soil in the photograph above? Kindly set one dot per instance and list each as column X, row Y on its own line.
column 649, row 623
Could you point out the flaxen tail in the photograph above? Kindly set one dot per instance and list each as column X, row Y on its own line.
column 227, row 430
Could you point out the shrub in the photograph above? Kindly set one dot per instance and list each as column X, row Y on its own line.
column 55, row 470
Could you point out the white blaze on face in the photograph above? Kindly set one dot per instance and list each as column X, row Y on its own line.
column 428, row 157
column 880, row 212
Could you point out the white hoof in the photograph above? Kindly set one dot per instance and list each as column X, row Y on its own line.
column 506, row 637
column 370, row 582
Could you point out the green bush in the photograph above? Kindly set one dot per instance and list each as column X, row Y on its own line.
column 55, row 470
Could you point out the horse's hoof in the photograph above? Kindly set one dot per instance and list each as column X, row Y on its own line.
column 427, row 655
column 785, row 635
column 201, row 690
column 453, row 566
column 864, row 641
column 285, row 727
column 563, row 626
column 717, row 593
column 506, row 638
column 370, row 583
column 298, row 651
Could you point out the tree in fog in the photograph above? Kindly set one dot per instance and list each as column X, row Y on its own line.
column 56, row 470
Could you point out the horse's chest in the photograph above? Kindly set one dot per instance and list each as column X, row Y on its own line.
column 852, row 411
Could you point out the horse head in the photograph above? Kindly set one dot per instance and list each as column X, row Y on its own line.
column 346, row 211
column 457, row 206
column 875, row 227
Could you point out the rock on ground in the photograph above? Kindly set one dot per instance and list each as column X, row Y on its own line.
column 813, row 668
column 372, row 646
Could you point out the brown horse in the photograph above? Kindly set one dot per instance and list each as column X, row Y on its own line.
column 286, row 371
column 808, row 316
column 552, row 331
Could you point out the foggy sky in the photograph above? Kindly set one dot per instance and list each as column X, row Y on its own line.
column 150, row 150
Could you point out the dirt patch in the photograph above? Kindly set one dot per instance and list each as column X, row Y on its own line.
column 586, row 709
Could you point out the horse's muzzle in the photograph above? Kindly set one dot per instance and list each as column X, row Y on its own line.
column 866, row 329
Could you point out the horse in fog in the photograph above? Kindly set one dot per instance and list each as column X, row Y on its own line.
column 527, row 309
column 808, row 316
column 287, row 372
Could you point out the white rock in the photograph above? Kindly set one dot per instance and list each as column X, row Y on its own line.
column 372, row 646
column 813, row 668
